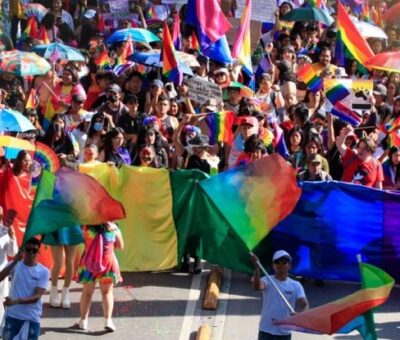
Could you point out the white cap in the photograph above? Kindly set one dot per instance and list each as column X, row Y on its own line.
column 279, row 254
column 88, row 116
column 90, row 14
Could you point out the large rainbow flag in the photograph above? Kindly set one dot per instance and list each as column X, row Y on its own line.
column 70, row 198
column 331, row 317
column 242, row 45
column 349, row 35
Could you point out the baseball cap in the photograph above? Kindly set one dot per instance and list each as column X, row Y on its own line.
column 380, row 90
column 315, row 158
column 114, row 88
column 248, row 121
column 279, row 254
column 158, row 83
column 90, row 14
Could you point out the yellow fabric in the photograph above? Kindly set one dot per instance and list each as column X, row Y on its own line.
column 149, row 230
column 16, row 9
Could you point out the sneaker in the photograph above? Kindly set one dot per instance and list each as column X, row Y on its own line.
column 65, row 303
column 54, row 297
column 109, row 325
column 83, row 324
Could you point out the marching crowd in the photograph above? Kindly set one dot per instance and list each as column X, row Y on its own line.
column 87, row 113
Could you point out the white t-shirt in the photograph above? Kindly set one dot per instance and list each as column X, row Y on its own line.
column 274, row 308
column 25, row 279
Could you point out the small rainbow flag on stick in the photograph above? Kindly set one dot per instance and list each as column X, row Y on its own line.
column 344, row 113
column 168, row 56
column 220, row 126
column 308, row 75
column 32, row 101
column 103, row 61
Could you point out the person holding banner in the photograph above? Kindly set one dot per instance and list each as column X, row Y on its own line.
column 279, row 293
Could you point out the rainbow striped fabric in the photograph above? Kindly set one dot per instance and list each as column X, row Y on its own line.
column 308, row 75
column 351, row 37
column 170, row 68
column 220, row 126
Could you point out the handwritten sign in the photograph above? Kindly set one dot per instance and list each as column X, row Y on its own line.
column 261, row 10
column 202, row 90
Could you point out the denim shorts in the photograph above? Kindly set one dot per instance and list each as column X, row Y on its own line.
column 12, row 327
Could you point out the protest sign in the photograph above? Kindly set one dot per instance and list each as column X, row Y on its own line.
column 201, row 90
column 261, row 10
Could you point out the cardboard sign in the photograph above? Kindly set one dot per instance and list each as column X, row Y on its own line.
column 202, row 90
column 255, row 29
column 261, row 10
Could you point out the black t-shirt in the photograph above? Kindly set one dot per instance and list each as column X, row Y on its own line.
column 195, row 162
column 383, row 111
column 129, row 124
column 335, row 163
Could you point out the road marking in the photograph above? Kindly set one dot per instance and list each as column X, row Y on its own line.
column 193, row 298
column 219, row 321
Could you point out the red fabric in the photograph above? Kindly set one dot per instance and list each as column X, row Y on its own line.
column 359, row 172
column 16, row 193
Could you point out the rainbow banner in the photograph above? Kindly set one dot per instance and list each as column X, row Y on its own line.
column 351, row 37
column 170, row 68
column 220, row 126
column 242, row 45
column 331, row 317
column 308, row 76
column 70, row 198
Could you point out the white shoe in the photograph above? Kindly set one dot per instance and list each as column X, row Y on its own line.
column 83, row 324
column 54, row 297
column 109, row 325
column 65, row 303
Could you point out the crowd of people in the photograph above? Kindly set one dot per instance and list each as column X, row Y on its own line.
column 87, row 113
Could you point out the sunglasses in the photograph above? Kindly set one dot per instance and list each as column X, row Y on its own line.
column 31, row 250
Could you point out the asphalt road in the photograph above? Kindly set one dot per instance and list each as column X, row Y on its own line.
column 152, row 306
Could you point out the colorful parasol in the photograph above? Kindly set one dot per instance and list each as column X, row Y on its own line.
column 245, row 91
column 16, row 143
column 34, row 10
column 392, row 14
column 309, row 14
column 59, row 51
column 386, row 61
column 136, row 34
column 23, row 63
column 46, row 157
column 12, row 120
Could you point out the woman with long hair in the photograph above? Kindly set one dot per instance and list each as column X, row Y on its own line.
column 391, row 168
column 99, row 264
column 114, row 149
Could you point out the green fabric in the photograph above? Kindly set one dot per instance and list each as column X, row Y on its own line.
column 201, row 228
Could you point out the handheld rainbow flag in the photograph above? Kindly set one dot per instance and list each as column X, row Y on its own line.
column 152, row 13
column 345, row 114
column 195, row 43
column 337, row 93
column 242, row 46
column 176, row 32
column 70, row 198
column 392, row 129
column 168, row 57
column 103, row 61
column 332, row 317
column 308, row 75
column 351, row 37
column 220, row 126
column 365, row 15
column 31, row 30
column 32, row 101
column 43, row 36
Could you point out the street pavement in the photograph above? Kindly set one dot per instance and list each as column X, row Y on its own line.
column 151, row 306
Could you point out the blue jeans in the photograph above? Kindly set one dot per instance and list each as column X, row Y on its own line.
column 13, row 326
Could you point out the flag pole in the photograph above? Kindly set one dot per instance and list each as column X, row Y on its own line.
column 291, row 310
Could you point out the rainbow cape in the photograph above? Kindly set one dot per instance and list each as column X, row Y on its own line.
column 70, row 198
column 331, row 317
column 170, row 67
column 242, row 45
column 308, row 76
column 349, row 35
column 220, row 126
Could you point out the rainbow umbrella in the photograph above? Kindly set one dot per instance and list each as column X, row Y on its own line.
column 22, row 63
column 386, row 61
column 11, row 120
column 309, row 14
column 36, row 10
column 16, row 143
column 245, row 91
column 140, row 35
column 56, row 51
column 392, row 14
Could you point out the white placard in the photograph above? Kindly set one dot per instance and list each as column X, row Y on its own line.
column 261, row 10
column 202, row 90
